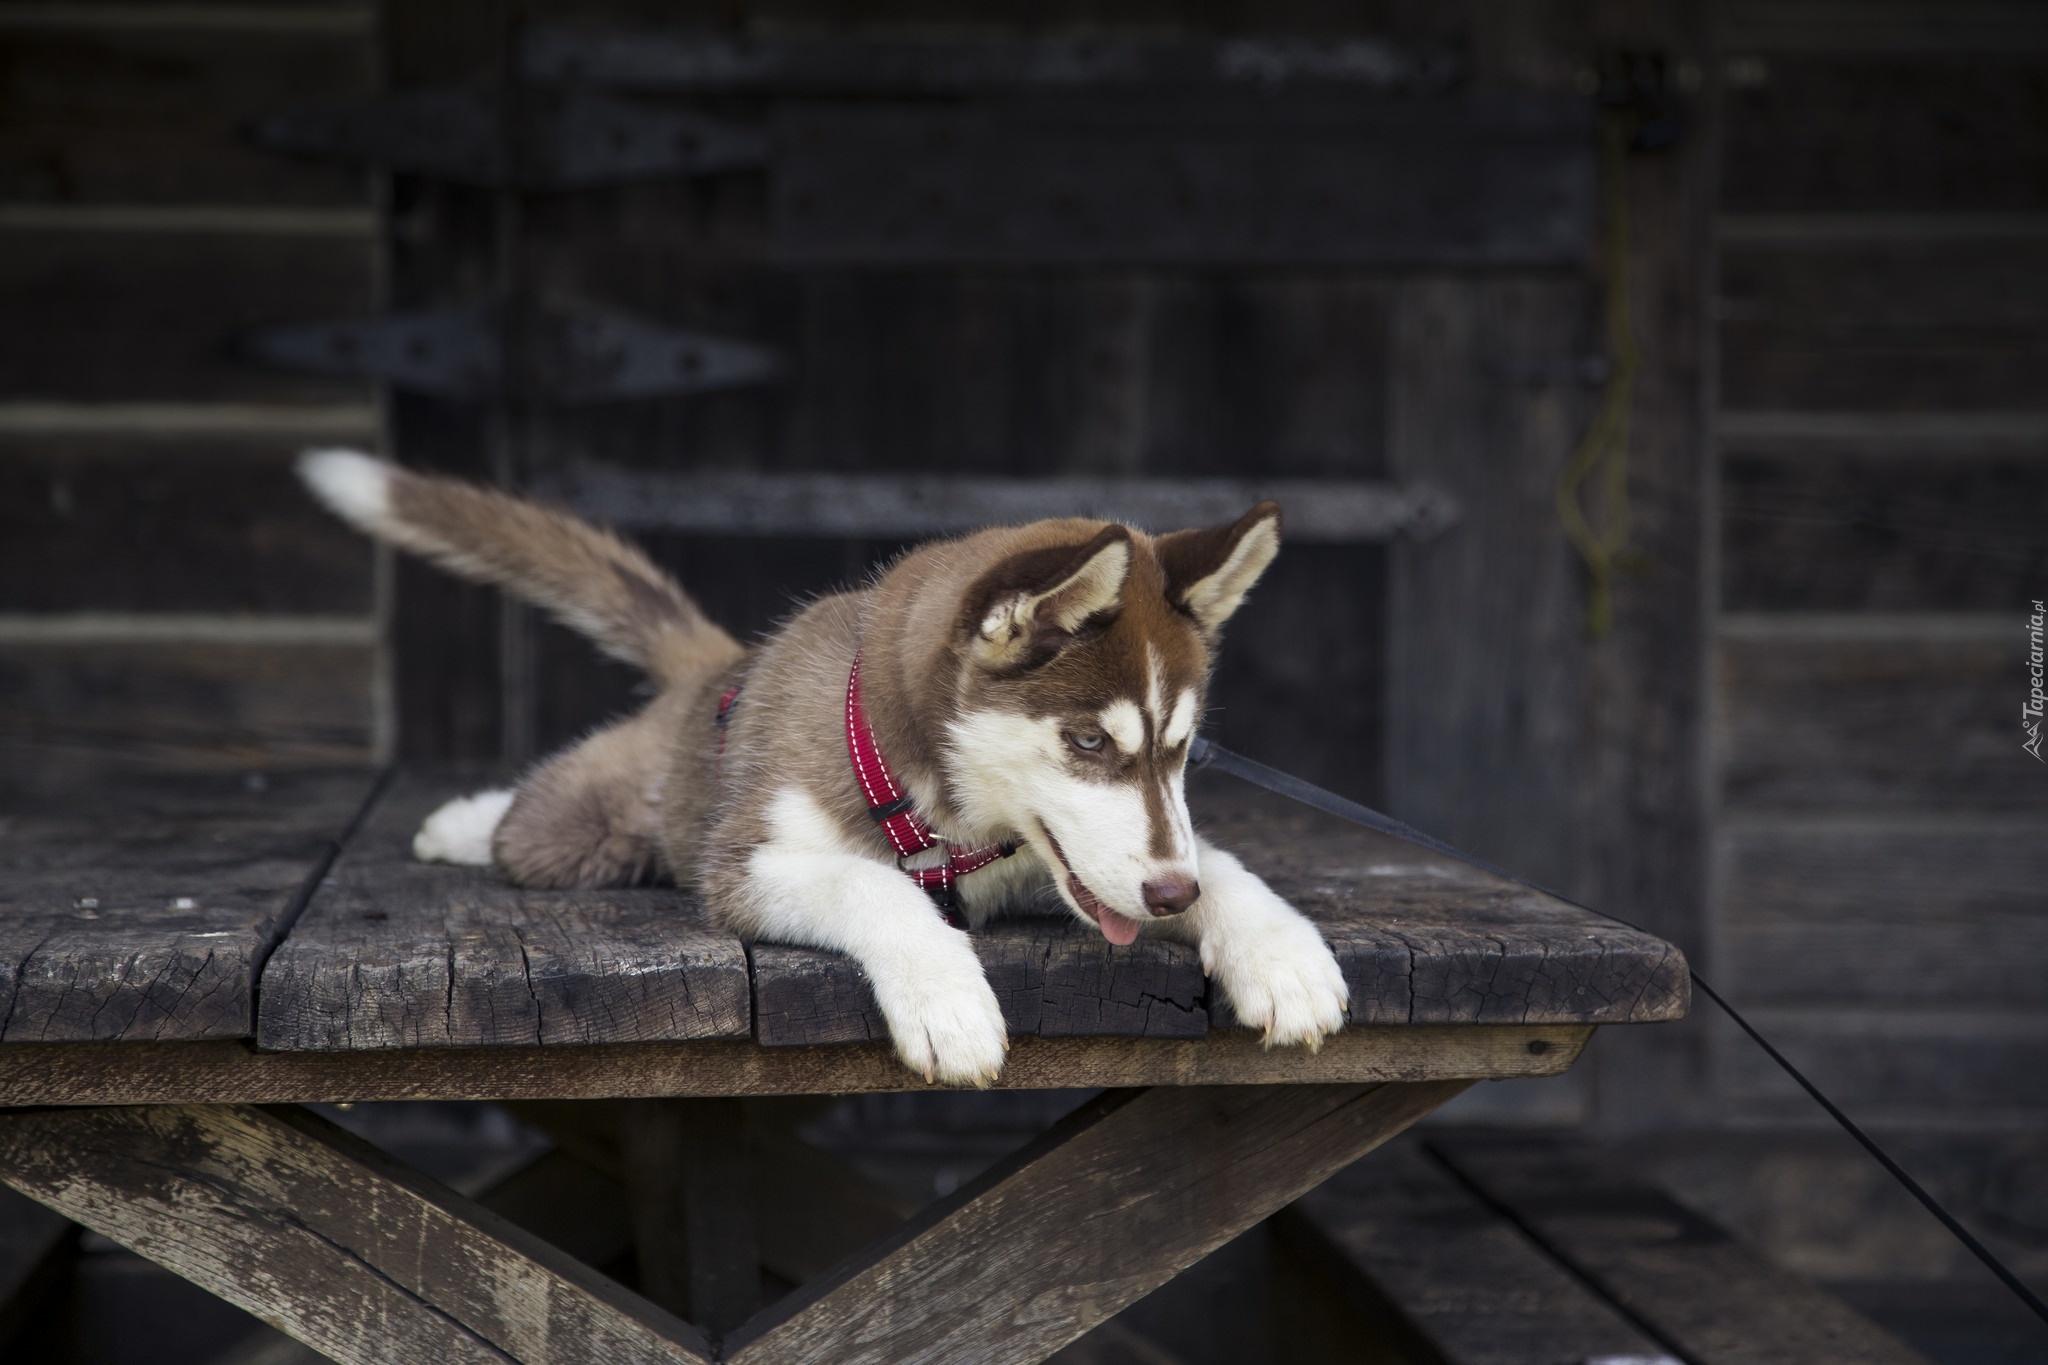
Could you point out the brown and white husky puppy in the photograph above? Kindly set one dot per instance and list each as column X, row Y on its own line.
column 1034, row 686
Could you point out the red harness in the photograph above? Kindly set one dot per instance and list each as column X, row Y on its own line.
column 895, row 812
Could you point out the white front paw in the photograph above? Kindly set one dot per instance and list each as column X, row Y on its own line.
column 1281, row 978
column 946, row 1023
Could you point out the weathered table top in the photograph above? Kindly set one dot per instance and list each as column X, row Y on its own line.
column 288, row 914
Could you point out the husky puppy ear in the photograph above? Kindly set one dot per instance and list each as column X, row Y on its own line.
column 1037, row 602
column 1209, row 571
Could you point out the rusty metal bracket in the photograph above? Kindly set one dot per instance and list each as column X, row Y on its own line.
column 565, row 140
column 565, row 354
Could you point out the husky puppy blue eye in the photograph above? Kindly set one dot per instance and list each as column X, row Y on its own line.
column 1090, row 743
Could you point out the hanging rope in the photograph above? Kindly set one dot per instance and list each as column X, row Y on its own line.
column 1604, row 449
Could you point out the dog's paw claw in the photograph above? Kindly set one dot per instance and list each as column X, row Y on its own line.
column 948, row 1027
column 1285, row 984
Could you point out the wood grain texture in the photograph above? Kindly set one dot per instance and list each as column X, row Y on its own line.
column 170, row 525
column 1895, row 133
column 1497, row 178
column 1643, row 812
column 1875, row 724
column 1054, row 977
column 284, row 1215
column 1904, row 533
column 1678, row 1273
column 1916, row 912
column 393, row 953
column 142, row 913
column 102, row 316
column 1883, row 326
column 1420, row 1252
column 1018, row 1263
column 206, row 706
column 150, row 115
column 1425, row 940
column 1486, row 756
column 233, row 1072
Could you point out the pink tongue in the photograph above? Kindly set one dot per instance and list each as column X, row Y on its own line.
column 1116, row 928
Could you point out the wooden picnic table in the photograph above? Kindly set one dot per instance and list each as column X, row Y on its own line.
column 185, row 959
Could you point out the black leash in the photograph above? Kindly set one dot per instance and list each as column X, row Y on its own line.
column 1203, row 754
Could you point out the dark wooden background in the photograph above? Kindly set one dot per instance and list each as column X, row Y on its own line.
column 1796, row 754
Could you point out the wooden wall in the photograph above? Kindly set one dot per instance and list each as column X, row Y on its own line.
column 1881, row 857
column 167, row 595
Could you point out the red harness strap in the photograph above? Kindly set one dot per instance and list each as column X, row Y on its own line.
column 894, row 811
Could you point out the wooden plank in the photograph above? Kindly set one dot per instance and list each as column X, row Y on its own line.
column 559, row 1199
column 1421, row 940
column 287, row 423
column 1054, row 977
column 179, row 525
column 1419, row 1252
column 1644, row 808
column 1680, row 1275
column 708, row 61
column 36, row 1245
column 1884, row 134
column 148, row 315
column 1896, row 433
column 1883, row 325
column 232, row 1072
column 393, row 953
column 1019, row 1262
column 153, row 115
column 1887, row 722
column 1843, row 912
column 1822, row 532
column 286, row 1216
column 143, row 912
column 690, row 1192
column 1965, row 1065
column 890, row 507
column 1485, row 757
column 1497, row 179
column 205, row 705
column 1425, row 940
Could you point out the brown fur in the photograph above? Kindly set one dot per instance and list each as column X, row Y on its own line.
column 651, row 796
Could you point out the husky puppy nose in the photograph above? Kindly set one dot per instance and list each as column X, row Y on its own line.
column 1171, row 895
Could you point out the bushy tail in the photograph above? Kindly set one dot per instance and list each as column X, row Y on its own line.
column 591, row 580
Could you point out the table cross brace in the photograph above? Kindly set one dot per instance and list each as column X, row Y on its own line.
column 345, row 1248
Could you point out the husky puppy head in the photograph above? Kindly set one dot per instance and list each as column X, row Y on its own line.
column 1083, row 660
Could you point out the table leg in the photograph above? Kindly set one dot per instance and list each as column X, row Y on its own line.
column 329, row 1239
column 1114, row 1201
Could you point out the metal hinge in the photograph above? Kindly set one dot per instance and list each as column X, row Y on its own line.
column 561, row 353
column 565, row 140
